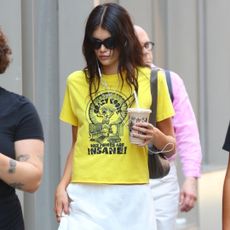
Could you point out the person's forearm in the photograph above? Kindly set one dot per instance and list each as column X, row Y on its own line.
column 226, row 199
column 226, row 204
column 20, row 174
column 163, row 142
column 189, row 150
column 186, row 131
column 66, row 178
column 188, row 146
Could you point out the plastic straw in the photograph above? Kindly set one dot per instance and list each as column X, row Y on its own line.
column 136, row 100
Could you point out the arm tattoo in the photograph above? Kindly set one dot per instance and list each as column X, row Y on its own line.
column 12, row 166
column 17, row 185
column 23, row 157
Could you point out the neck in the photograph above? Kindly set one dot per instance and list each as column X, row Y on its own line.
column 109, row 70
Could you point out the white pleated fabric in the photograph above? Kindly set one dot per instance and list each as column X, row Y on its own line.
column 109, row 207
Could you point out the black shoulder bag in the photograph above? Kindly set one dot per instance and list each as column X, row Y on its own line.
column 159, row 165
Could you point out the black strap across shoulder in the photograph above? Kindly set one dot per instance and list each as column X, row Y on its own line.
column 169, row 83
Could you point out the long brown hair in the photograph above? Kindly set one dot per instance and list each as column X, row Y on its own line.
column 115, row 19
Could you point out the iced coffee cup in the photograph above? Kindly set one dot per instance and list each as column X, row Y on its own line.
column 137, row 115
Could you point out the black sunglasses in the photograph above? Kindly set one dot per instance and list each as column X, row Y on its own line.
column 109, row 43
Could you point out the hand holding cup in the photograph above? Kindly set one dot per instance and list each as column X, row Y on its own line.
column 138, row 116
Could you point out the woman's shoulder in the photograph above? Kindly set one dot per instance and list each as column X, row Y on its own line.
column 14, row 102
column 77, row 80
column 144, row 69
column 10, row 97
column 76, row 75
column 144, row 72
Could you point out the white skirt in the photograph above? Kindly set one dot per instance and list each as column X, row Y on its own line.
column 109, row 207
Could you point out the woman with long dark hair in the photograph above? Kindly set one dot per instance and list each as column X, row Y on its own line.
column 105, row 181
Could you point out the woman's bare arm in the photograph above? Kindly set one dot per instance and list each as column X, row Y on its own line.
column 25, row 172
column 61, row 198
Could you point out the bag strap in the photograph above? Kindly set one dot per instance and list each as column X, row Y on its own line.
column 153, row 87
column 155, row 162
column 152, row 118
column 169, row 83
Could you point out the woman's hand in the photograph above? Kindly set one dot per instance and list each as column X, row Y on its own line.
column 162, row 136
column 144, row 131
column 61, row 202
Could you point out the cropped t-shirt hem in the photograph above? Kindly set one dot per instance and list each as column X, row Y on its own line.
column 110, row 182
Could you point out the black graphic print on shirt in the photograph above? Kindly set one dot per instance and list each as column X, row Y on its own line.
column 108, row 116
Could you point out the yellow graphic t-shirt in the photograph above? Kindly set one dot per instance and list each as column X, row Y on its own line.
column 103, row 153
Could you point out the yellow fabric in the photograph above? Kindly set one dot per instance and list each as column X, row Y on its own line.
column 103, row 153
